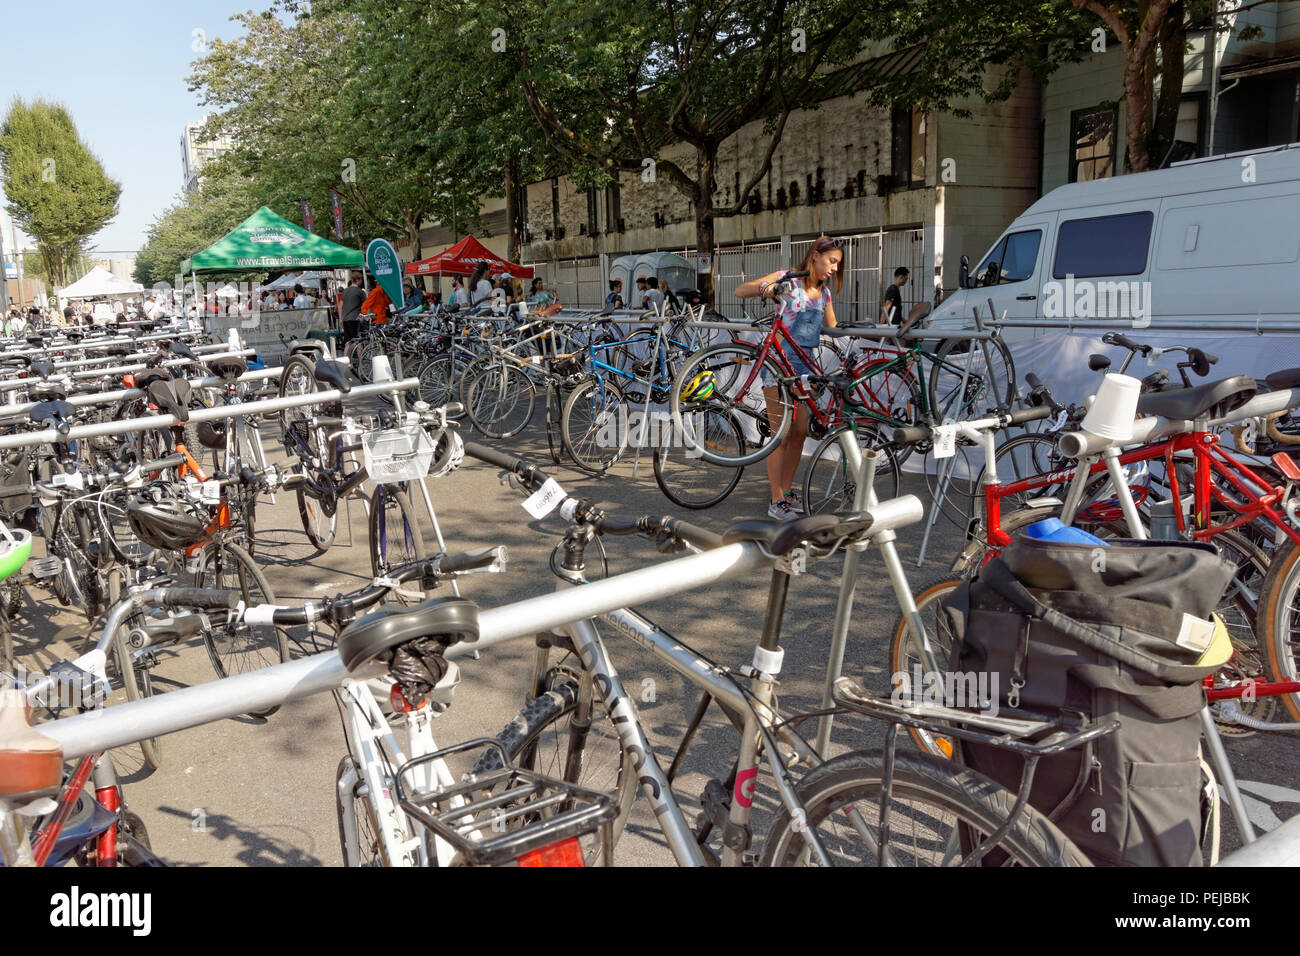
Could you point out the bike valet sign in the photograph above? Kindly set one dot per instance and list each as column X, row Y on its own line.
column 381, row 260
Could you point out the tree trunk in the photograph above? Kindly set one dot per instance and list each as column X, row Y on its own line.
column 706, row 164
column 514, row 218
column 1173, row 47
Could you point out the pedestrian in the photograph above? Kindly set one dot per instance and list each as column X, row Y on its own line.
column 281, row 301
column 376, row 305
column 803, row 310
column 615, row 298
column 543, row 301
column 479, row 287
column 654, row 298
column 459, row 297
column 891, row 309
column 353, row 296
column 300, row 300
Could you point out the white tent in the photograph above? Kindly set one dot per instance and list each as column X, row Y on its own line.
column 672, row 268
column 288, row 280
column 99, row 282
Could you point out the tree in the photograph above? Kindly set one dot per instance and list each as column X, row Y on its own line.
column 612, row 82
column 58, row 192
column 1153, row 36
column 197, row 219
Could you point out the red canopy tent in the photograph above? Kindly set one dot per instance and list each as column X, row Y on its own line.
column 461, row 260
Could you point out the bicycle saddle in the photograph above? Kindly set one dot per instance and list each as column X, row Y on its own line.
column 47, row 392
column 30, row 762
column 782, row 537
column 118, row 350
column 171, row 395
column 57, row 411
column 333, row 373
column 43, row 369
column 1285, row 378
column 298, row 346
column 1212, row 400
column 181, row 350
column 73, row 336
column 378, row 634
column 35, row 340
column 228, row 367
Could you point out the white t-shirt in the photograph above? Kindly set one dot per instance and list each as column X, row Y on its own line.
column 151, row 309
column 654, row 298
column 301, row 302
column 481, row 291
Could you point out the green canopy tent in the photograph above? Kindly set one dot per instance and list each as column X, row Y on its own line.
column 266, row 241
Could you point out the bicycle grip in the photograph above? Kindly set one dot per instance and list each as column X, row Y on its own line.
column 1022, row 415
column 702, row 538
column 1034, row 381
column 473, row 560
column 911, row 435
column 1122, row 340
column 210, row 598
column 162, row 464
column 491, row 456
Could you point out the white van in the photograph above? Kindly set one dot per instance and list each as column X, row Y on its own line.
column 1209, row 243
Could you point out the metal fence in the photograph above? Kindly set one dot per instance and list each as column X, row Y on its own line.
column 870, row 259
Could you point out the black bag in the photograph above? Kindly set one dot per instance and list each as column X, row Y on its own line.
column 1088, row 631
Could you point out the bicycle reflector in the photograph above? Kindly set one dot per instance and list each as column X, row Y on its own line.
column 399, row 702
column 565, row 853
column 700, row 387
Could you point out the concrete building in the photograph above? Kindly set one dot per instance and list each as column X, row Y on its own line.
column 194, row 153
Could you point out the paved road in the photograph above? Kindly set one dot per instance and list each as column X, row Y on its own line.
column 260, row 792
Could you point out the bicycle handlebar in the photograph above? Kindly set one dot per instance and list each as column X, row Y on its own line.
column 916, row 433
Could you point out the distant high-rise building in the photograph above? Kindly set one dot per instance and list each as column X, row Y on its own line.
column 196, row 152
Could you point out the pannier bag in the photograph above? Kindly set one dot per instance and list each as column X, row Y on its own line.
column 1122, row 631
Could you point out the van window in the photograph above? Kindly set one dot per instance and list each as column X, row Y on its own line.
column 1012, row 259
column 1104, row 246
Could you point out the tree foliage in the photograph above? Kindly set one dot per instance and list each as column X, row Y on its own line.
column 58, row 192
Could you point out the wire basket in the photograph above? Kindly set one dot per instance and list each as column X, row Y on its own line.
column 505, row 816
column 397, row 454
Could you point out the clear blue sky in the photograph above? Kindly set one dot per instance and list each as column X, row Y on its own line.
column 120, row 70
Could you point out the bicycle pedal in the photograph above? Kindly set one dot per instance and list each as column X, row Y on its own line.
column 44, row 569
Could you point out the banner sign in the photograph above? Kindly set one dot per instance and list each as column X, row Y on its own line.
column 381, row 260
column 336, row 202
column 308, row 221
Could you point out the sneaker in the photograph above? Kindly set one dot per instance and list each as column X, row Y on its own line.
column 795, row 501
column 780, row 510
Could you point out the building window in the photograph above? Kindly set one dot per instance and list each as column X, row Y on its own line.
column 613, row 206
column 1092, row 144
column 908, row 141
column 1191, row 122
column 592, row 207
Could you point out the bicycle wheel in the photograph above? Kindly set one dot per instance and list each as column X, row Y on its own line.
column 594, row 424
column 243, row 647
column 1239, row 611
column 1027, row 456
column 543, row 738
column 554, row 412
column 1279, row 621
column 395, row 536
column 730, row 366
column 318, row 524
column 905, row 654
column 932, row 801
column 989, row 373
column 828, row 484
column 890, row 393
column 137, row 680
column 685, row 478
column 435, row 381
column 370, row 851
column 500, row 400
column 297, row 378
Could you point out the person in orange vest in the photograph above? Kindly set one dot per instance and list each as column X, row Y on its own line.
column 377, row 303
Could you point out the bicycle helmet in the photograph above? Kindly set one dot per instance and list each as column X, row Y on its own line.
column 212, row 435
column 447, row 454
column 162, row 520
column 700, row 387
column 15, row 548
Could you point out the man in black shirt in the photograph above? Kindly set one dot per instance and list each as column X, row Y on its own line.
column 350, row 309
column 891, row 311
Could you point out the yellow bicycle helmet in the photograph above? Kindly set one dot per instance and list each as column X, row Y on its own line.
column 700, row 387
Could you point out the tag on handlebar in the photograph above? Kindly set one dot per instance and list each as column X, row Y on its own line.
column 945, row 441
column 210, row 492
column 545, row 500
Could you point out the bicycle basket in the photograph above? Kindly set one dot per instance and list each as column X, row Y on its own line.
column 397, row 454
column 504, row 815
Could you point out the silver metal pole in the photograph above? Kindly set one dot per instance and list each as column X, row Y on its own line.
column 1227, row 779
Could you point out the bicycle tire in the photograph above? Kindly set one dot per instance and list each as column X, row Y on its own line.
column 904, row 652
column 394, row 530
column 592, row 407
column 527, row 742
column 435, row 381
column 1281, row 621
column 369, row 845
column 554, row 411
column 933, row 787
column 245, row 647
column 298, row 377
column 319, row 525
column 986, row 388
column 136, row 680
column 500, row 401
column 689, row 481
column 828, row 487
column 730, row 363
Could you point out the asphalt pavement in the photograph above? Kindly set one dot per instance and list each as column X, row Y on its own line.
column 260, row 792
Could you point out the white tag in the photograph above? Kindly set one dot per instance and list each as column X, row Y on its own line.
column 1195, row 634
column 545, row 500
column 523, row 309
column 1061, row 418
column 945, row 441
column 210, row 492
